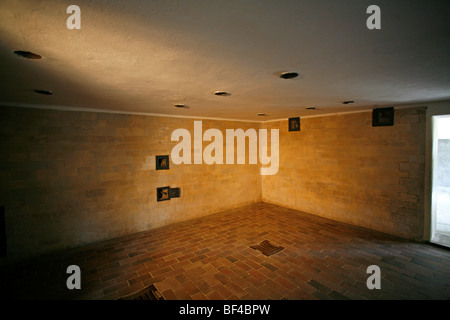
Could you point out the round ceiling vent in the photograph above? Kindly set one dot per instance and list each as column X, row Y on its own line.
column 310, row 108
column 289, row 75
column 348, row 102
column 222, row 93
column 27, row 54
column 261, row 114
column 45, row 92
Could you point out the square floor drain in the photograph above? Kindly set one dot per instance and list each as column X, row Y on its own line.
column 267, row 248
column 148, row 293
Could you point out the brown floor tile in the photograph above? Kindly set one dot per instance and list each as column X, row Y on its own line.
column 211, row 258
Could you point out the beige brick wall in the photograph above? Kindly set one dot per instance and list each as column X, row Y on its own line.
column 342, row 168
column 71, row 178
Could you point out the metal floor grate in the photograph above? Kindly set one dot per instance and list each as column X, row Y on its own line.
column 267, row 248
column 149, row 293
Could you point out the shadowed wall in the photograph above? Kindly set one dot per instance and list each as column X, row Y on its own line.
column 71, row 178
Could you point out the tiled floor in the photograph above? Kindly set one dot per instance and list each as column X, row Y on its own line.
column 211, row 258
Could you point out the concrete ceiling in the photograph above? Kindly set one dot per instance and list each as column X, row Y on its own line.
column 145, row 56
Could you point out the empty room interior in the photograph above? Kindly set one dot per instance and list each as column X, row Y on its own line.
column 225, row 150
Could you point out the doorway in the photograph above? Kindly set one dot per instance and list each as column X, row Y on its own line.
column 440, row 198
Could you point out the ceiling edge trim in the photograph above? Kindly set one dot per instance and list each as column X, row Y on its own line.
column 344, row 112
column 78, row 109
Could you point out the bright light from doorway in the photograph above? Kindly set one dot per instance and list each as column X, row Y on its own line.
column 440, row 224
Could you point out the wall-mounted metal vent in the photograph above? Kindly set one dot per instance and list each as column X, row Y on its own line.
column 167, row 193
column 162, row 162
column 382, row 117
